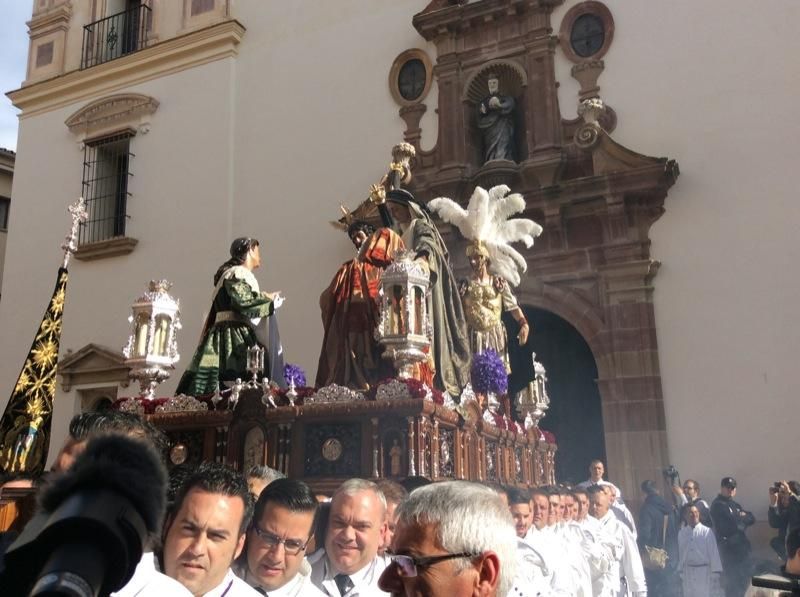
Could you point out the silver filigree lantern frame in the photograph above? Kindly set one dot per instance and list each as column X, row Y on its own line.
column 404, row 329
column 533, row 401
column 152, row 349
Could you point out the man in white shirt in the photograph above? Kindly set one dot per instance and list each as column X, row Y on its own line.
column 600, row 548
column 274, row 555
column 453, row 539
column 627, row 571
column 619, row 508
column 206, row 532
column 596, row 472
column 349, row 566
column 568, row 546
column 544, row 542
column 596, row 554
column 698, row 557
column 147, row 581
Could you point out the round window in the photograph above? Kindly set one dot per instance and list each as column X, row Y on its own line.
column 588, row 35
column 411, row 79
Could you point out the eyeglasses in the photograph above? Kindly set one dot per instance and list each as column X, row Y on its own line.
column 409, row 566
column 689, row 487
column 271, row 541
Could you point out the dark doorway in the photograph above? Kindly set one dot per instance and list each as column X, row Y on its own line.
column 575, row 415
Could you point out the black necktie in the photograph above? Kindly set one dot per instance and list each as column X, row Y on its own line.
column 343, row 583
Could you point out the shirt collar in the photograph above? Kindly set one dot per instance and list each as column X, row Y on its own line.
column 360, row 578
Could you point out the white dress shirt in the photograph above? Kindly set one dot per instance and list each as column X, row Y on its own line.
column 365, row 581
column 232, row 586
column 629, row 565
column 299, row 586
column 147, row 581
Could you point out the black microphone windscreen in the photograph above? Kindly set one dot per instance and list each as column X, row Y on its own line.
column 119, row 463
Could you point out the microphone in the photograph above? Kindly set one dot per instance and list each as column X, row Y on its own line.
column 93, row 523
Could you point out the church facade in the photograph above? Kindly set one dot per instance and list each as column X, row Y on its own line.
column 190, row 123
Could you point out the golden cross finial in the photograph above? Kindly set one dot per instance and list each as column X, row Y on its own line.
column 79, row 215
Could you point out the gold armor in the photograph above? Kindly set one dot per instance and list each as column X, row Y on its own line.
column 484, row 303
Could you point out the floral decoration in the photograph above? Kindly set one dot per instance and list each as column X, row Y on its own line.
column 488, row 373
column 294, row 374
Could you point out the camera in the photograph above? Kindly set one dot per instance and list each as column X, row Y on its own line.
column 777, row 583
column 673, row 475
column 671, row 472
column 93, row 524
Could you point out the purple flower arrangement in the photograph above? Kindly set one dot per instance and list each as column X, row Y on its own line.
column 488, row 373
column 294, row 374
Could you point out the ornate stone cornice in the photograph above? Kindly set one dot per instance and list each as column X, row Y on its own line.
column 173, row 55
column 50, row 20
column 111, row 112
column 436, row 20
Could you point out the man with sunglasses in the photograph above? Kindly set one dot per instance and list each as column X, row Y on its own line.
column 453, row 539
column 689, row 495
column 274, row 559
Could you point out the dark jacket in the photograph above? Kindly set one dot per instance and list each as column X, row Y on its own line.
column 730, row 521
column 651, row 525
column 786, row 519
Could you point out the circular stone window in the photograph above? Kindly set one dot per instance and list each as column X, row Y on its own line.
column 410, row 77
column 586, row 31
column 411, row 80
column 587, row 35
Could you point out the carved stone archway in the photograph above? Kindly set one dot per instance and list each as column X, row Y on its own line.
column 595, row 199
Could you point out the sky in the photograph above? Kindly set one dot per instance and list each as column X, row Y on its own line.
column 13, row 59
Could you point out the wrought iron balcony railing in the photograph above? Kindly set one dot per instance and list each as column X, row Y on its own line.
column 115, row 36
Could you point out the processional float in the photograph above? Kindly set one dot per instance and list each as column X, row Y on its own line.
column 400, row 426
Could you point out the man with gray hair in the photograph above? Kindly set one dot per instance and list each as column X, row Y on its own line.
column 349, row 565
column 259, row 476
column 453, row 539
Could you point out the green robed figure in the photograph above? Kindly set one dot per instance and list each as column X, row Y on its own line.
column 237, row 315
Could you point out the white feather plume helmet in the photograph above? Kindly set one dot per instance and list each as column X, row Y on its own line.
column 486, row 223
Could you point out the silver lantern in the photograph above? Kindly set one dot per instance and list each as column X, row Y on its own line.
column 152, row 349
column 404, row 329
column 533, row 401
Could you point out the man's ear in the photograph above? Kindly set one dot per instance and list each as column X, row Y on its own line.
column 488, row 575
column 240, row 546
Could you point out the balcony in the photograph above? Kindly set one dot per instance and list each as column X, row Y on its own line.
column 115, row 36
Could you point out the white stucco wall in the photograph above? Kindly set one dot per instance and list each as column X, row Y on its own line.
column 177, row 212
column 712, row 85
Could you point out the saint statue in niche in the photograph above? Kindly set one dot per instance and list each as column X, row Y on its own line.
column 395, row 453
column 496, row 122
column 253, row 448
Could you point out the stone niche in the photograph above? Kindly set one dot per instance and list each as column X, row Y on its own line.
column 595, row 198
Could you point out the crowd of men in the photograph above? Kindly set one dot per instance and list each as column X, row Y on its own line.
column 226, row 534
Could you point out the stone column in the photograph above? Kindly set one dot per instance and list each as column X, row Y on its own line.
column 629, row 379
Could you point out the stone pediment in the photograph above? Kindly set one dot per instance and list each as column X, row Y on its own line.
column 609, row 156
column 113, row 112
column 93, row 364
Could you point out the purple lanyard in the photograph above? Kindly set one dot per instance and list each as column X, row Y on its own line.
column 228, row 588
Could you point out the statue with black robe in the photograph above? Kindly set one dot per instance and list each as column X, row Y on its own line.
column 496, row 122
